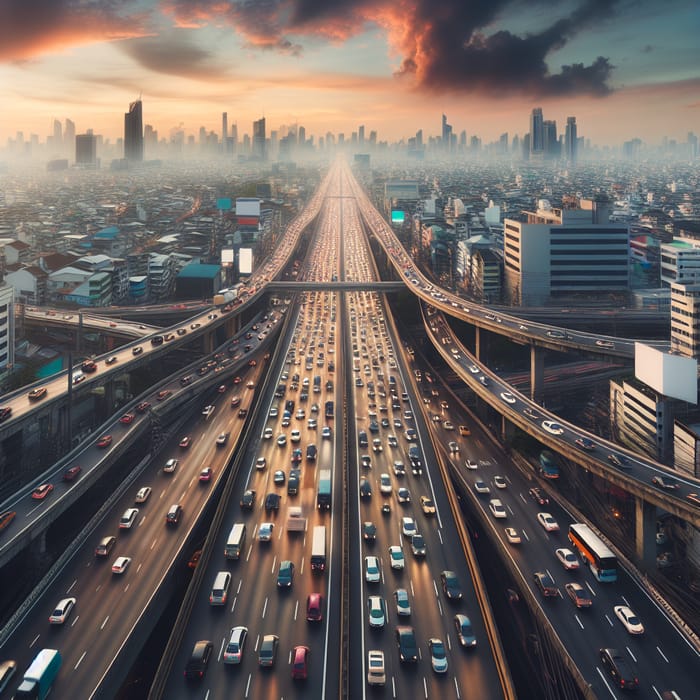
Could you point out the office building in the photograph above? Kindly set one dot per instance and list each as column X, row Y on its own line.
column 224, row 131
column 259, row 139
column 133, row 132
column 86, row 150
column 536, row 132
column 559, row 253
column 446, row 134
column 680, row 262
column 685, row 319
column 570, row 140
column 7, row 327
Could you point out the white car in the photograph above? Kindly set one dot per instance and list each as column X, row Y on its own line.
column 396, row 557
column 471, row 464
column 403, row 604
column 312, row 423
column 512, row 535
column 438, row 655
column 267, row 435
column 474, row 369
column 453, row 447
column 376, row 611
column 234, row 649
column 170, row 465
column 499, row 482
column 627, row 617
column 553, row 427
column 497, row 509
column 481, row 487
column 385, row 484
column 260, row 463
column 567, row 558
column 372, row 574
column 295, row 435
column 62, row 611
column 120, row 565
column 376, row 673
column 142, row 494
column 265, row 531
column 448, row 425
column 281, row 439
column 128, row 518
column 548, row 522
column 508, row 397
column 403, row 495
column 408, row 526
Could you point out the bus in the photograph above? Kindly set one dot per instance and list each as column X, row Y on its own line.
column 601, row 561
column 318, row 549
column 234, row 543
column 548, row 465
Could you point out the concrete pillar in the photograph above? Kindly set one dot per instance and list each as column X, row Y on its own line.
column 477, row 343
column 209, row 342
column 507, row 430
column 645, row 531
column 536, row 373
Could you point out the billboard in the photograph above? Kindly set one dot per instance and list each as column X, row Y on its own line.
column 397, row 216
column 674, row 376
column 247, row 206
column 245, row 261
column 223, row 203
column 227, row 256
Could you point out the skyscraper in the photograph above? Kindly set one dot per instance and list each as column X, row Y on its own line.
column 86, row 150
column 224, row 131
column 550, row 143
column 446, row 133
column 259, row 139
column 536, row 131
column 570, row 137
column 133, row 132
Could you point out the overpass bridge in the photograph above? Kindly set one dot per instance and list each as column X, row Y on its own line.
column 306, row 286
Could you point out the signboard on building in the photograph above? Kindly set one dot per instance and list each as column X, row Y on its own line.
column 223, row 203
column 245, row 261
column 398, row 216
column 247, row 206
column 227, row 256
column 674, row 376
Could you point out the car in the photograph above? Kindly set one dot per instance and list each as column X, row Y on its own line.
column 36, row 394
column 512, row 535
column 403, row 604
column 403, row 495
column 281, row 440
column 605, row 343
column 427, row 505
column 268, row 650
column 530, row 413
column 296, row 455
column 272, row 502
column 142, row 494
column 485, row 381
column 377, row 445
column 376, row 673
column 497, row 509
column 372, row 574
column 198, row 661
column 665, row 483
column 111, row 360
column 399, row 468
column 618, row 668
column 545, row 583
column 326, row 433
column 233, row 653
column 62, row 611
column 548, row 522
column 453, row 447
column 473, row 369
column 6, row 518
column 260, row 463
column 471, row 464
column 376, row 611
column 418, row 545
column 312, row 423
column 396, row 557
column 450, row 585
column 235, row 401
column 267, row 435
column 579, row 596
column 618, row 460
column 499, row 482
column 120, row 565
column 172, row 517
column 171, row 465
column 694, row 498
column 314, row 607
column 385, row 484
column 242, row 412
column 128, row 518
column 206, row 475
column 285, row 574
column 553, row 427
column 104, row 441
column 185, row 442
column 585, row 443
column 300, row 662
column 208, row 410
column 627, row 617
column 365, row 488
column 105, row 546
column 508, row 397
column 369, row 531
column 463, row 430
column 127, row 419
column 392, row 441
column 465, row 632
column 538, row 495
column 248, row 499
column 72, row 474
column 295, row 436
column 567, row 558
column 408, row 526
column 406, row 642
column 448, row 425
column 41, row 492
column 438, row 655
column 480, row 486
column 265, row 531
column 279, row 477
column 143, row 406
column 222, row 439
column 163, row 394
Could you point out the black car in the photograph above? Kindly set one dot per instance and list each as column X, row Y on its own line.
column 450, row 585
column 199, row 660
column 272, row 502
column 406, row 641
column 538, row 495
column 619, row 669
column 248, row 499
column 369, row 531
column 5, row 413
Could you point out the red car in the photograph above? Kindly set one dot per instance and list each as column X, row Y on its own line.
column 5, row 413
column 222, row 388
column 236, row 380
column 104, row 441
column 127, row 418
column 163, row 394
column 6, row 518
column 72, row 473
column 185, row 442
column 300, row 662
column 41, row 492
column 235, row 401
column 89, row 366
column 143, row 406
column 206, row 474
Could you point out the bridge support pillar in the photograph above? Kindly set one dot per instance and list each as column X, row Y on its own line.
column 209, row 342
column 645, row 531
column 507, row 430
column 477, row 343
column 536, row 373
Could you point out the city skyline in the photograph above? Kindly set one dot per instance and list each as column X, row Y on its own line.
column 624, row 70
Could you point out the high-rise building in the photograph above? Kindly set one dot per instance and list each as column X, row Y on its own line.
column 536, row 131
column 69, row 136
column 550, row 142
column 86, row 150
column 570, row 140
column 446, row 133
column 361, row 135
column 133, row 132
column 259, row 139
column 224, row 130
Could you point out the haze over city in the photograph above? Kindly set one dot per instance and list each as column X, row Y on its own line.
column 625, row 70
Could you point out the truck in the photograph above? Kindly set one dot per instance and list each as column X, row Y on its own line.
column 40, row 676
column 296, row 522
column 323, row 497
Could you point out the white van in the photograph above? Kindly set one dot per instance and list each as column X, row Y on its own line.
column 235, row 541
column 219, row 591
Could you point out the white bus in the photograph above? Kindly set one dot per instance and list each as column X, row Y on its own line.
column 318, row 549
column 234, row 543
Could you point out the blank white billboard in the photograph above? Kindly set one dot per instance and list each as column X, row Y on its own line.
column 247, row 206
column 227, row 256
column 245, row 261
column 674, row 376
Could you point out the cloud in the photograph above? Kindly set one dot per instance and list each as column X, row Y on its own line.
column 443, row 45
column 30, row 28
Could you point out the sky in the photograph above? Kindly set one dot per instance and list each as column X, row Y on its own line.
column 624, row 68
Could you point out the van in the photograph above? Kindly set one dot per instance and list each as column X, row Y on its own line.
column 105, row 546
column 235, row 541
column 199, row 660
column 174, row 514
column 78, row 377
column 219, row 591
